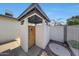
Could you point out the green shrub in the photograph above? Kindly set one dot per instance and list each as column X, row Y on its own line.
column 74, row 20
column 74, row 44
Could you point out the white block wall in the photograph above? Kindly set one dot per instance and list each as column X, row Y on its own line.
column 24, row 35
column 8, row 29
column 57, row 33
column 73, row 32
column 46, row 35
column 42, row 35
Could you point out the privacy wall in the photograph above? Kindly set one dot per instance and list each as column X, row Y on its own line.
column 24, row 35
column 8, row 29
column 73, row 38
column 73, row 33
column 42, row 35
column 57, row 33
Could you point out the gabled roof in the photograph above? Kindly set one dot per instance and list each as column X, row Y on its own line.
column 32, row 6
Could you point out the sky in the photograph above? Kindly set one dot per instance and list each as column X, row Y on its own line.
column 57, row 11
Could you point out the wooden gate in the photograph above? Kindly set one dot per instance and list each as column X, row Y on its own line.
column 31, row 36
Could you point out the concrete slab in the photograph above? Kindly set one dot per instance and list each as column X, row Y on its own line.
column 34, row 51
column 59, row 50
column 18, row 52
column 75, row 51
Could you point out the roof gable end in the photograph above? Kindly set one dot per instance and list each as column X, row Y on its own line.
column 32, row 6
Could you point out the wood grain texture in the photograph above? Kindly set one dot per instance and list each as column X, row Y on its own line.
column 31, row 36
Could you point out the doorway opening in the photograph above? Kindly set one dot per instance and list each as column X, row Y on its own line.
column 33, row 21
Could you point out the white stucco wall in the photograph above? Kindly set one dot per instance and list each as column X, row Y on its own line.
column 42, row 35
column 73, row 32
column 39, row 35
column 8, row 29
column 46, row 35
column 57, row 33
column 24, row 35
